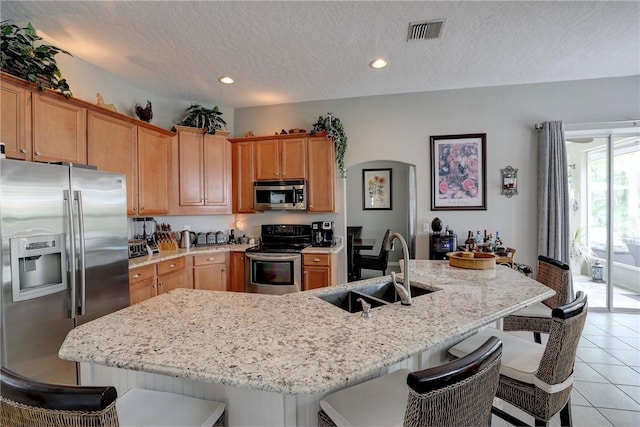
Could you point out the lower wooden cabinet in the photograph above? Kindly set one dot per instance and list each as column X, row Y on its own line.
column 318, row 271
column 172, row 275
column 151, row 280
column 142, row 283
column 210, row 271
column 237, row 272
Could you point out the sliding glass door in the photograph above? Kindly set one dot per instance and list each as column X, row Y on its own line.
column 604, row 186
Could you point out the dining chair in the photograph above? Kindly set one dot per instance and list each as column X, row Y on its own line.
column 356, row 230
column 455, row 393
column 537, row 317
column 351, row 276
column 25, row 402
column 374, row 262
column 536, row 378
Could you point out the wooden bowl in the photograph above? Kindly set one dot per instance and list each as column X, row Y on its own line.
column 472, row 260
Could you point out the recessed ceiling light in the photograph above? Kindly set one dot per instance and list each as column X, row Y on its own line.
column 226, row 80
column 378, row 63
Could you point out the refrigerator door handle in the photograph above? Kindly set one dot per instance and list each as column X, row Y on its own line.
column 72, row 255
column 82, row 266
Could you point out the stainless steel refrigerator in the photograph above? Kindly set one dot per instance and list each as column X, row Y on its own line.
column 64, row 260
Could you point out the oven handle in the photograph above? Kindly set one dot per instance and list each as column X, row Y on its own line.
column 272, row 256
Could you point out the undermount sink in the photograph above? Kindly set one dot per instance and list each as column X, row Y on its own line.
column 377, row 295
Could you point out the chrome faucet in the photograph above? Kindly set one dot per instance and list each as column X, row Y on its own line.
column 403, row 291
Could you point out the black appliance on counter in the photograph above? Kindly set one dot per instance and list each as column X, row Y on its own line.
column 322, row 233
column 441, row 244
column 275, row 266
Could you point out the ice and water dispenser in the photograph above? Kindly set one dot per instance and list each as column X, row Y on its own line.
column 38, row 266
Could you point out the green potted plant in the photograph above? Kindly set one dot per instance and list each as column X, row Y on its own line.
column 25, row 56
column 210, row 119
column 335, row 131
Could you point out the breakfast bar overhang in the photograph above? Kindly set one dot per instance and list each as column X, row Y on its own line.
column 270, row 358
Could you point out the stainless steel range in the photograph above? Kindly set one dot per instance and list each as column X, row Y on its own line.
column 275, row 266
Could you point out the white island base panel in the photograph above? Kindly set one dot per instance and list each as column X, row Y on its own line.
column 246, row 407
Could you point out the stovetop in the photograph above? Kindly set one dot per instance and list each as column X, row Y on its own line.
column 283, row 238
column 275, row 248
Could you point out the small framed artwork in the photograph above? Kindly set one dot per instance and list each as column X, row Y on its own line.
column 458, row 172
column 376, row 189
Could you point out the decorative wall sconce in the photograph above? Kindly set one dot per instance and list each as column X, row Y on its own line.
column 509, row 181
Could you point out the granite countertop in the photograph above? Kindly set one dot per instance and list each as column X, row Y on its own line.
column 296, row 343
column 238, row 247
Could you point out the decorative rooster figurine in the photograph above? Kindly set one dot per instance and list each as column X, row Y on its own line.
column 145, row 114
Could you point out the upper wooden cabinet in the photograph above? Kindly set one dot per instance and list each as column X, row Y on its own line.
column 59, row 130
column 280, row 159
column 243, row 176
column 15, row 120
column 264, row 158
column 154, row 172
column 322, row 174
column 203, row 164
column 112, row 146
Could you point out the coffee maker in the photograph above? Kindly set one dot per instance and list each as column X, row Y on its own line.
column 322, row 233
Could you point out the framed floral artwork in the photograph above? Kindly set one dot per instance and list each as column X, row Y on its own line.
column 458, row 172
column 376, row 189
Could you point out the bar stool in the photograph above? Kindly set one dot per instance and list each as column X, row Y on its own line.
column 535, row 378
column 29, row 403
column 537, row 317
column 456, row 393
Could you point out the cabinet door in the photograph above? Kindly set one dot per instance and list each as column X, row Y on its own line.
column 154, row 151
column 170, row 281
column 191, row 191
column 142, row 283
column 267, row 160
column 293, row 157
column 322, row 174
column 217, row 170
column 142, row 290
column 316, row 277
column 210, row 271
column 14, row 104
column 211, row 277
column 243, row 177
column 111, row 146
column 59, row 131
column 237, row 272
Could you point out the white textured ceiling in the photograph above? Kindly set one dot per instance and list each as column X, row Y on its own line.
column 293, row 51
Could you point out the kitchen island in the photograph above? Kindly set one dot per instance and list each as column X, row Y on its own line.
column 270, row 359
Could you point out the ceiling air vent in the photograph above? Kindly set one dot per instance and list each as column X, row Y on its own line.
column 425, row 30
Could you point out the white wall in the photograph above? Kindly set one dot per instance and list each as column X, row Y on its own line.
column 86, row 80
column 398, row 127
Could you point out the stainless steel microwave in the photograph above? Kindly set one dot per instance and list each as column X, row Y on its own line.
column 280, row 195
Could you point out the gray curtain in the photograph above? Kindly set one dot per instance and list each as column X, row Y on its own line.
column 553, row 193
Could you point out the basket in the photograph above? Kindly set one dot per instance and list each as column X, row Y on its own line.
column 472, row 260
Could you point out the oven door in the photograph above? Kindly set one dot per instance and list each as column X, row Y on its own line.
column 273, row 273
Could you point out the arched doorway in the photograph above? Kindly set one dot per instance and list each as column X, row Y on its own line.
column 400, row 217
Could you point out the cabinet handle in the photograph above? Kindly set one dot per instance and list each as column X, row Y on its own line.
column 172, row 266
column 154, row 286
column 316, row 260
column 141, row 209
column 210, row 259
column 37, row 153
column 223, row 269
column 23, row 151
column 135, row 276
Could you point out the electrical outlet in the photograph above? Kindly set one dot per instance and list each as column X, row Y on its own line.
column 425, row 227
